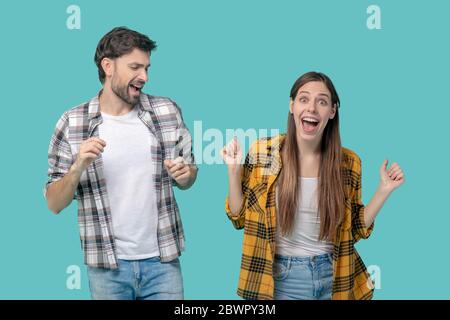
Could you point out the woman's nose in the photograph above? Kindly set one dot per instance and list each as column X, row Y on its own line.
column 311, row 107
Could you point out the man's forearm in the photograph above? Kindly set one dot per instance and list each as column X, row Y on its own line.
column 60, row 193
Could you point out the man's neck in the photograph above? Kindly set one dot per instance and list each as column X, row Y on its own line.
column 111, row 104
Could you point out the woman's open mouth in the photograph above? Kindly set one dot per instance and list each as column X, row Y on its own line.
column 310, row 125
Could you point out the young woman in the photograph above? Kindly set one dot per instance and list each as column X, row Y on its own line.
column 298, row 198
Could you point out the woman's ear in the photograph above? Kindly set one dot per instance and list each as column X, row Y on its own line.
column 291, row 106
column 333, row 111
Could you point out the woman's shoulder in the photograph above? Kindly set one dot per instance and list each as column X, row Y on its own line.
column 350, row 159
column 267, row 145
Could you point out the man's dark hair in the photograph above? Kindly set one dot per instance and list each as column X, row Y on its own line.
column 118, row 42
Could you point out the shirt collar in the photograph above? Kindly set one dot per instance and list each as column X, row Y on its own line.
column 94, row 105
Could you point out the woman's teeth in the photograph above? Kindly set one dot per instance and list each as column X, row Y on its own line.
column 310, row 121
column 309, row 125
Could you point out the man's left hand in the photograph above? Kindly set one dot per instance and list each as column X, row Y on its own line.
column 184, row 174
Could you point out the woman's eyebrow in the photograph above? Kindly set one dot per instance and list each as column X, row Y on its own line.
column 319, row 94
column 324, row 94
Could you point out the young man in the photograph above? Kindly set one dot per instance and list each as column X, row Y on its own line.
column 119, row 155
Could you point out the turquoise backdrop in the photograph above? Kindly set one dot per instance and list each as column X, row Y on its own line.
column 231, row 64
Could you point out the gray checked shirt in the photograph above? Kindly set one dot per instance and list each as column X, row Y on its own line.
column 164, row 120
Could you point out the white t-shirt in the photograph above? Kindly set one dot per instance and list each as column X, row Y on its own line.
column 303, row 241
column 129, row 169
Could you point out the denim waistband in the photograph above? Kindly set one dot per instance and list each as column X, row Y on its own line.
column 319, row 258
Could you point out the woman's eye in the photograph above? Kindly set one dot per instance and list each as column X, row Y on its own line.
column 303, row 100
column 323, row 102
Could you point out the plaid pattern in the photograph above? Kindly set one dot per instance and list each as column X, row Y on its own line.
column 164, row 120
column 257, row 216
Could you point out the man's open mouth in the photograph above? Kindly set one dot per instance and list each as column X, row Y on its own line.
column 135, row 88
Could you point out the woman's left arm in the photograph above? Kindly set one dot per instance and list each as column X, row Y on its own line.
column 390, row 179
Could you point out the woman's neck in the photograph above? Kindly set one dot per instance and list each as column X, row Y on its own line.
column 308, row 149
column 309, row 158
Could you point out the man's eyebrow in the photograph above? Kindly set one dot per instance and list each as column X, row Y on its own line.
column 139, row 64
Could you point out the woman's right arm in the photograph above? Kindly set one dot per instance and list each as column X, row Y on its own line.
column 235, row 196
column 238, row 176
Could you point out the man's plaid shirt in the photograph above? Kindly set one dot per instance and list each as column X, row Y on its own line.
column 164, row 120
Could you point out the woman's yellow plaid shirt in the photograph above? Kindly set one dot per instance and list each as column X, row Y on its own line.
column 258, row 218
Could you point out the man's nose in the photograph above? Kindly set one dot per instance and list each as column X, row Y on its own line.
column 143, row 76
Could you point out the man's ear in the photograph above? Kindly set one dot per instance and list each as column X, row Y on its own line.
column 108, row 66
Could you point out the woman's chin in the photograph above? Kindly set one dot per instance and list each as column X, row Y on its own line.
column 310, row 137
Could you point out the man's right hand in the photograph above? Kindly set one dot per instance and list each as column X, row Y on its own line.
column 90, row 149
column 60, row 193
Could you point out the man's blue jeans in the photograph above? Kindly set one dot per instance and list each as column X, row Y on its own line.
column 147, row 279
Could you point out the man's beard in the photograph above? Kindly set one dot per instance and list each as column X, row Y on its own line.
column 123, row 94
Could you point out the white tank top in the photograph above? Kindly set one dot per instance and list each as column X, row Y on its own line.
column 129, row 170
column 303, row 241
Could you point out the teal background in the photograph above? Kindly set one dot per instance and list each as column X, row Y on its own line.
column 231, row 64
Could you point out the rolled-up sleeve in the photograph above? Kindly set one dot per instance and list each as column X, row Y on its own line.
column 184, row 146
column 359, row 229
column 60, row 157
column 238, row 219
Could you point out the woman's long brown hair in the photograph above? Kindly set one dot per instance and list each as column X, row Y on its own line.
column 330, row 187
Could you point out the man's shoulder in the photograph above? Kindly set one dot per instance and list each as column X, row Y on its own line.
column 78, row 110
column 82, row 108
column 158, row 99
column 160, row 102
column 73, row 112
